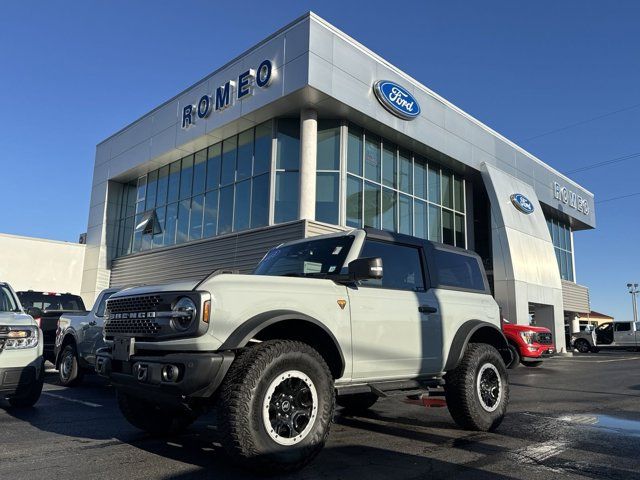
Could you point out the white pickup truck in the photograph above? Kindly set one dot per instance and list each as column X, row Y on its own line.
column 21, row 352
column 609, row 335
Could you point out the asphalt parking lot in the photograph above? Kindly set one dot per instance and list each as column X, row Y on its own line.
column 575, row 417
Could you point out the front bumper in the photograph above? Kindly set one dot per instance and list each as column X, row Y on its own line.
column 537, row 352
column 18, row 380
column 199, row 375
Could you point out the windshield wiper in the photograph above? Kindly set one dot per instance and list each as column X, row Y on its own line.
column 305, row 275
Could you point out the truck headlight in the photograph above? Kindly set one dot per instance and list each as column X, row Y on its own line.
column 528, row 337
column 21, row 337
column 183, row 314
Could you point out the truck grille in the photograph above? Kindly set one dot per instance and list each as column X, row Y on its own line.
column 544, row 338
column 127, row 316
column 142, row 303
column 131, row 326
column 3, row 336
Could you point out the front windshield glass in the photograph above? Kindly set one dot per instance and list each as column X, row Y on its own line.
column 7, row 301
column 306, row 259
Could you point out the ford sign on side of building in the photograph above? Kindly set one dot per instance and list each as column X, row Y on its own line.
column 396, row 99
column 522, row 203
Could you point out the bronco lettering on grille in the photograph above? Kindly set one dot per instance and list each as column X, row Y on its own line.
column 121, row 316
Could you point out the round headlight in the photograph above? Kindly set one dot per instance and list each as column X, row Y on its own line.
column 184, row 313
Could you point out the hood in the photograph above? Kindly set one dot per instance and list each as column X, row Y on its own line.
column 13, row 318
column 514, row 327
column 179, row 286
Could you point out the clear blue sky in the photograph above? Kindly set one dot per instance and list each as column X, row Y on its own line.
column 72, row 73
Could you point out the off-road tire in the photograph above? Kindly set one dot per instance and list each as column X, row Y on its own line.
column 243, row 394
column 29, row 398
column 533, row 364
column 582, row 345
column 515, row 357
column 153, row 418
column 357, row 402
column 69, row 375
column 461, row 390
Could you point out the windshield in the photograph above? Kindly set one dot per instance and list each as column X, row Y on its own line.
column 305, row 259
column 7, row 300
column 51, row 301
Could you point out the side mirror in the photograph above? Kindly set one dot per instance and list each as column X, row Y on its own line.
column 35, row 312
column 365, row 268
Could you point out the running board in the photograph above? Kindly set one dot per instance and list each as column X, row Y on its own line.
column 386, row 389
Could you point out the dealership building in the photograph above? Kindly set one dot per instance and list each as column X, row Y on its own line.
column 310, row 132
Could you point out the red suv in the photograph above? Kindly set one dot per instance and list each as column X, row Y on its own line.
column 529, row 345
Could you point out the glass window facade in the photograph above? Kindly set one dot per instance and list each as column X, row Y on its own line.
column 218, row 190
column 397, row 190
column 561, row 237
column 226, row 188
column 328, row 172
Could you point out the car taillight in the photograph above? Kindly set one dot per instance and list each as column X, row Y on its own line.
column 38, row 320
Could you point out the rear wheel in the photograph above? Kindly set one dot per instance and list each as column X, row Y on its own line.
column 153, row 418
column 477, row 390
column 276, row 406
column 582, row 345
column 357, row 402
column 31, row 395
column 69, row 372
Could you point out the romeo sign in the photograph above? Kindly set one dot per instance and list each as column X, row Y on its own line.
column 570, row 198
column 226, row 95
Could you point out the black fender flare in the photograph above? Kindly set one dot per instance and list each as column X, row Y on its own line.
column 240, row 337
column 464, row 334
column 69, row 333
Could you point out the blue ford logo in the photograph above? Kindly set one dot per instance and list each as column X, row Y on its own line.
column 396, row 99
column 522, row 203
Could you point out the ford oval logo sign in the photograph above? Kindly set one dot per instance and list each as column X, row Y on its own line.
column 396, row 99
column 522, row 203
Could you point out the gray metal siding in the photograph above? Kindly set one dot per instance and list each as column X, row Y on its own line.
column 575, row 297
column 317, row 228
column 240, row 251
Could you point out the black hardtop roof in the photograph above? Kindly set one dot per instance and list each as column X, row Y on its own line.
column 387, row 236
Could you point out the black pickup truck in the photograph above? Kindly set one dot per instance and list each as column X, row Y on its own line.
column 46, row 308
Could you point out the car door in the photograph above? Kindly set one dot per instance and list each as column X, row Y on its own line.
column 394, row 332
column 623, row 334
column 604, row 334
column 92, row 337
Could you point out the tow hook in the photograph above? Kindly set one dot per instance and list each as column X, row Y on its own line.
column 142, row 372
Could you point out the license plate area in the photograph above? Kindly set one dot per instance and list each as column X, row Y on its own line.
column 123, row 348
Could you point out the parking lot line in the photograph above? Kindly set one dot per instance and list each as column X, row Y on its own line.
column 589, row 360
column 88, row 404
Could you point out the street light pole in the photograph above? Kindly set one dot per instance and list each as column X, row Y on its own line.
column 633, row 290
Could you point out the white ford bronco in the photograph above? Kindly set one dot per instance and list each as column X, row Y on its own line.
column 21, row 348
column 343, row 318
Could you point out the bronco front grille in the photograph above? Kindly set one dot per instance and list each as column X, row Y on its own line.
column 544, row 338
column 134, row 315
column 131, row 326
column 142, row 303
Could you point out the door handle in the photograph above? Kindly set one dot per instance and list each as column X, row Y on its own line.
column 427, row 309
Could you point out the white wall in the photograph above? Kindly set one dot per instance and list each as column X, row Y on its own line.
column 39, row 264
